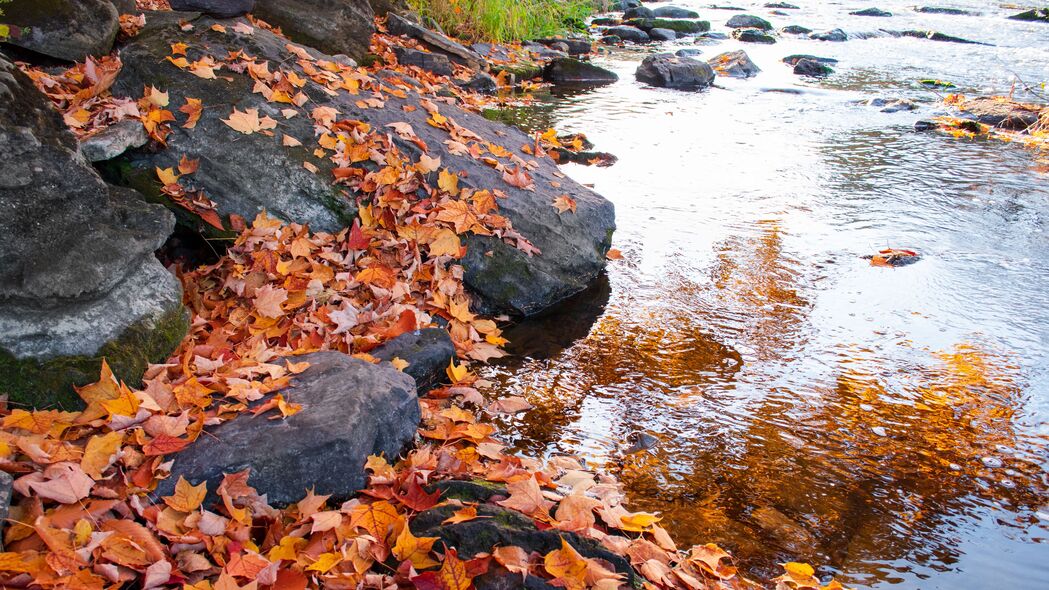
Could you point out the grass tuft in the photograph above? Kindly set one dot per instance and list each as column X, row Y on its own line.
column 504, row 21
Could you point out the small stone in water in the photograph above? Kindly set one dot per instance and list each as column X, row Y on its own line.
column 992, row 462
column 879, row 431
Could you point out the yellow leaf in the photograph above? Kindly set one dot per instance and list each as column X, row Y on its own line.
column 638, row 522
column 167, row 176
column 287, row 549
column 448, row 182
column 399, row 363
column 187, row 497
column 415, row 549
column 446, row 243
column 324, row 563
column 126, row 404
column 567, row 565
column 457, row 372
column 99, row 453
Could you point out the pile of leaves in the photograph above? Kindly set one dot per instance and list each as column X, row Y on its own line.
column 1035, row 136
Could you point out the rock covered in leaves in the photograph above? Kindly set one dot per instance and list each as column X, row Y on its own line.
column 428, row 353
column 670, row 71
column 78, row 279
column 734, row 64
column 65, row 29
column 247, row 162
column 332, row 26
column 345, row 409
column 438, row 63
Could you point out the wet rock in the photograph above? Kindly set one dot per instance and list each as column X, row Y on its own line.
column 1035, row 14
column 686, row 27
column 1001, row 113
column 350, row 409
column 216, row 8
column 662, row 35
column 792, row 60
column 925, row 125
column 611, row 40
column 894, row 257
column 714, row 35
column 480, row 82
column 835, row 35
column 871, row 12
column 747, row 21
column 498, row 526
column 795, row 30
column 629, row 33
column 331, row 26
column 716, row 7
column 891, row 105
column 573, row 46
column 570, row 71
column 437, row 63
column 78, row 279
column 628, row 4
column 638, row 12
column 640, row 441
column 674, row 12
column 114, row 140
column 734, row 64
column 688, row 52
column 427, row 351
column 491, row 51
column 261, row 173
column 69, row 30
column 937, row 36
column 782, row 5
column 788, row 534
column 605, row 21
column 559, row 46
column 125, row 6
column 398, row 25
column 542, row 52
column 945, row 10
column 752, row 36
column 669, row 71
column 809, row 67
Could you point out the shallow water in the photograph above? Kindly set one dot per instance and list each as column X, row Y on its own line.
column 891, row 424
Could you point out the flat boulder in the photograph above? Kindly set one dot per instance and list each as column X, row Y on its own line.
column 891, row 105
column 945, row 10
column 246, row 173
column 69, row 30
column 1035, row 14
column 436, row 63
column 685, row 27
column 836, row 35
column 216, row 8
column 1000, row 112
column 734, row 64
column 812, row 68
column 674, row 12
column 628, row 33
column 782, row 6
column 331, row 26
column 748, row 21
column 752, row 36
column 792, row 60
column 871, row 12
column 795, row 30
column 662, row 35
column 575, row 46
column 667, row 70
column 78, row 279
column 398, row 25
column 568, row 71
column 114, row 140
column 350, row 409
column 427, row 352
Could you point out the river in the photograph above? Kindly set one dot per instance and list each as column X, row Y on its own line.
column 890, row 424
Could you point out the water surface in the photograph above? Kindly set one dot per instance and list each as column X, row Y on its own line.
column 890, row 424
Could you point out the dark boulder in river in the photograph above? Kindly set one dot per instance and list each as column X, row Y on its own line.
column 944, row 10
column 871, row 12
column 752, row 36
column 795, row 30
column 629, row 33
column 674, row 12
column 1035, row 14
column 662, row 35
column 734, row 64
column 670, row 71
column 837, row 35
column 747, row 21
column 792, row 60
column 568, row 71
column 813, row 68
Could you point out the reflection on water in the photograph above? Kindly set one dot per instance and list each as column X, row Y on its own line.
column 891, row 424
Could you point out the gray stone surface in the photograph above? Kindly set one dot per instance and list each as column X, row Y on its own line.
column 734, row 64
column 260, row 173
column 6, row 482
column 670, row 71
column 437, row 63
column 752, row 36
column 674, row 12
column 748, row 21
column 217, row 8
column 77, row 271
column 331, row 26
column 398, row 25
column 568, row 71
column 812, row 68
column 427, row 351
column 350, row 409
column 662, row 35
column 575, row 46
column 639, row 12
column 64, row 29
column 628, row 33
column 835, row 35
column 114, row 140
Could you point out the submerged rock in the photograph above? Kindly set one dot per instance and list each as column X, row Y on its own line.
column 688, row 52
column 871, row 12
column 628, row 33
column 332, row 26
column 782, row 5
column 936, row 36
column 836, row 35
column 810, row 67
column 945, row 10
column 792, row 60
column 747, row 21
column 78, row 279
column 674, row 12
column 350, row 409
column 891, row 105
column 570, row 71
column 752, row 36
column 64, row 29
column 216, row 8
column 734, row 64
column 669, row 71
column 262, row 173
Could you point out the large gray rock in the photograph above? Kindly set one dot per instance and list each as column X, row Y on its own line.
column 350, row 409
column 639, row 12
column 752, row 36
column 674, row 12
column 628, row 33
column 218, row 8
column 835, row 35
column 670, row 71
column 734, row 64
column 64, row 29
column 435, row 41
column 568, row 71
column 332, row 26
column 258, row 172
column 78, row 279
column 114, row 140
column 748, row 21
column 428, row 353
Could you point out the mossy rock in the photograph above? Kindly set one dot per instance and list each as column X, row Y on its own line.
column 680, row 26
column 50, row 383
column 523, row 70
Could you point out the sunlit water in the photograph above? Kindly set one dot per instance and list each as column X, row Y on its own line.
column 890, row 424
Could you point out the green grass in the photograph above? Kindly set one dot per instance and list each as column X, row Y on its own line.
column 506, row 20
